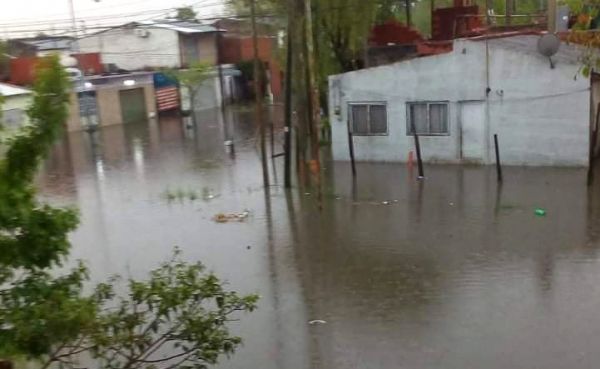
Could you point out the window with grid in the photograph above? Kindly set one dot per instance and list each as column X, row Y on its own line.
column 428, row 118
column 368, row 119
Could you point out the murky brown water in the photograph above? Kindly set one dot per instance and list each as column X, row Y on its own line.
column 452, row 272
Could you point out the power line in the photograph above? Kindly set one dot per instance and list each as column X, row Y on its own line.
column 67, row 29
column 198, row 5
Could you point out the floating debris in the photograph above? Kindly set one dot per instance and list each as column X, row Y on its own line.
column 317, row 322
column 232, row 217
column 385, row 203
column 540, row 212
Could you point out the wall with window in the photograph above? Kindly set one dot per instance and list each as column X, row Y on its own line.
column 420, row 89
column 540, row 114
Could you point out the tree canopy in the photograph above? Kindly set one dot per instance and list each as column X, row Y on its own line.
column 186, row 13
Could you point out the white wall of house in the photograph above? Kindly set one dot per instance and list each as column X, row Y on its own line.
column 128, row 50
column 540, row 114
column 14, row 112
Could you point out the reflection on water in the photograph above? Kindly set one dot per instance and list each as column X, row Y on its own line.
column 450, row 272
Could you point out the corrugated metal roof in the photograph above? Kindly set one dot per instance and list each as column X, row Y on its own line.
column 181, row 27
column 12, row 90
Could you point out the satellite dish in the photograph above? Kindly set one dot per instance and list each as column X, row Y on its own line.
column 548, row 45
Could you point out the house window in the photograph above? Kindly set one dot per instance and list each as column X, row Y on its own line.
column 368, row 119
column 13, row 118
column 428, row 118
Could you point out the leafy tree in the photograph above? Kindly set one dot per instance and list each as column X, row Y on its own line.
column 186, row 13
column 4, row 61
column 37, row 309
column 177, row 318
column 192, row 78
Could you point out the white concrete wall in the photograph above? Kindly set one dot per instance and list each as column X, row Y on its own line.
column 542, row 118
column 124, row 48
column 541, row 115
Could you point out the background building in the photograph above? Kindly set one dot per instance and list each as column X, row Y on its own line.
column 141, row 45
column 457, row 101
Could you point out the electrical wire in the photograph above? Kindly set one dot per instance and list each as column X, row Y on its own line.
column 55, row 26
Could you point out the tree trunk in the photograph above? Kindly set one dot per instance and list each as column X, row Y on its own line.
column 258, row 97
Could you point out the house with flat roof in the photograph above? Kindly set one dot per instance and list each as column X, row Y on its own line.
column 542, row 109
column 154, row 44
column 16, row 101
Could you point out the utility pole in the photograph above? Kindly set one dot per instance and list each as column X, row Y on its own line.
column 258, row 97
column 314, row 114
column 407, row 6
column 288, row 103
column 226, row 131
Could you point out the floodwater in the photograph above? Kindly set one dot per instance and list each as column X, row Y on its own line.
column 451, row 272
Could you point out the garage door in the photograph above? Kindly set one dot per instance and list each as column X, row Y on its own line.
column 133, row 105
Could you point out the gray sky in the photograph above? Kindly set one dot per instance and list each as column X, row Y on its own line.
column 25, row 17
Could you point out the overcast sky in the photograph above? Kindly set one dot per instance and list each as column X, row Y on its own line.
column 29, row 16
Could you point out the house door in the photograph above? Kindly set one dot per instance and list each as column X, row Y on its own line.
column 472, row 132
column 133, row 105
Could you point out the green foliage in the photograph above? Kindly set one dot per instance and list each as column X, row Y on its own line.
column 42, row 311
column 177, row 318
column 191, row 78
column 34, row 235
column 38, row 309
column 186, row 13
column 46, row 316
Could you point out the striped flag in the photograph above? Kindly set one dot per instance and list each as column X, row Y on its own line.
column 167, row 98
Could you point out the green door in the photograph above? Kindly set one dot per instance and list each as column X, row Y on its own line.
column 133, row 105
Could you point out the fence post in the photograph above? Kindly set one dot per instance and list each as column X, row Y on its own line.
column 351, row 148
column 498, row 165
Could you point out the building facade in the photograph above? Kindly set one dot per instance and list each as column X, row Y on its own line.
column 138, row 46
column 457, row 101
column 14, row 106
column 115, row 99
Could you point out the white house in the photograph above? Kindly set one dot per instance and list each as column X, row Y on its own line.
column 135, row 46
column 457, row 101
column 15, row 101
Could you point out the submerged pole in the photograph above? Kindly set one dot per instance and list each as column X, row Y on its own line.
column 288, row 109
column 351, row 148
column 258, row 97
column 418, row 149
column 498, row 165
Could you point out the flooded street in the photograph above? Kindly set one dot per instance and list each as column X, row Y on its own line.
column 452, row 272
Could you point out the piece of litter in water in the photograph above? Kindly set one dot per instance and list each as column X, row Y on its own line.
column 233, row 217
column 317, row 321
column 307, row 193
column 540, row 212
column 451, row 203
column 385, row 203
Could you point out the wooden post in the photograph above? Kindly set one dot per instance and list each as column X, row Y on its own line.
column 351, row 149
column 418, row 149
column 228, row 138
column 498, row 165
column 258, row 97
column 407, row 6
column 314, row 114
column 272, row 132
column 287, row 146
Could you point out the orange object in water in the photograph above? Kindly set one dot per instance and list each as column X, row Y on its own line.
column 411, row 158
column 314, row 166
